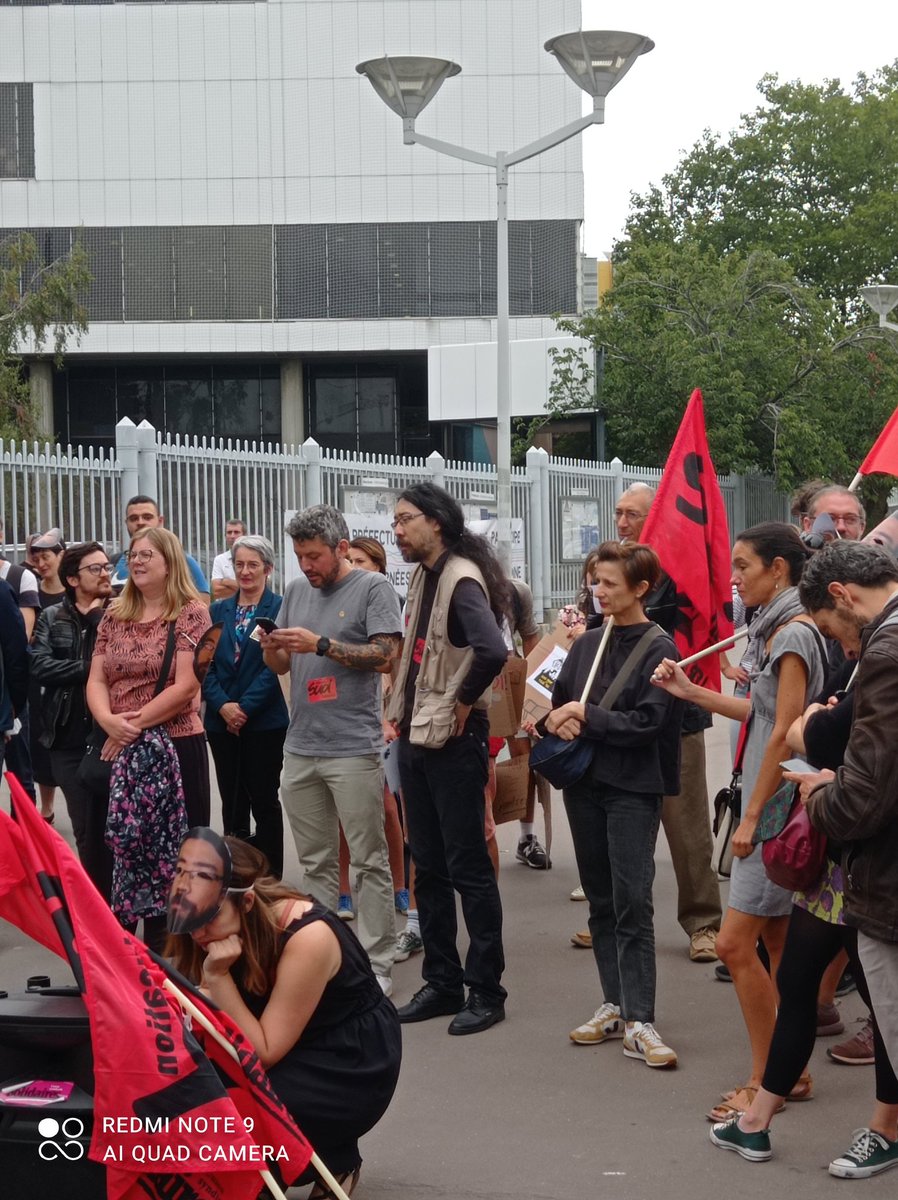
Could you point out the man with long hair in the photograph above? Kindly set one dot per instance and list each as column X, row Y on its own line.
column 453, row 650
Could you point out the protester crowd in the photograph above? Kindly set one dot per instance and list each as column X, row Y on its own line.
column 365, row 722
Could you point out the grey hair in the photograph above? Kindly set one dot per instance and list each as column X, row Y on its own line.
column 639, row 486
column 835, row 489
column 237, row 521
column 320, row 521
column 255, row 544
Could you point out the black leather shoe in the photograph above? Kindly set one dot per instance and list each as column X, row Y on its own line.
column 429, row 1002
column 478, row 1013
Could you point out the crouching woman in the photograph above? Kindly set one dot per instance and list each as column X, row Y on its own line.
column 299, row 985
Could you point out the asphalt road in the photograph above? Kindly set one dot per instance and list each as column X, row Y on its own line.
column 521, row 1111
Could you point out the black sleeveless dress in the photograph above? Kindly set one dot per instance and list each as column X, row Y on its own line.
column 339, row 1078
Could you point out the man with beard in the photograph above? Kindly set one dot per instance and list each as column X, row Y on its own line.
column 61, row 651
column 453, row 650
column 337, row 630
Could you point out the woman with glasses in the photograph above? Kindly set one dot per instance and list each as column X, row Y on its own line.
column 156, row 622
column 246, row 716
column 61, row 652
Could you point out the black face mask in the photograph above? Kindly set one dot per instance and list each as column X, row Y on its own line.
column 201, row 882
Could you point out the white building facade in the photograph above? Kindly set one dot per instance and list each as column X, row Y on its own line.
column 270, row 261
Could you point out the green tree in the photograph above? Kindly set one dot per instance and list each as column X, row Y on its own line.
column 40, row 302
column 811, row 175
column 789, row 389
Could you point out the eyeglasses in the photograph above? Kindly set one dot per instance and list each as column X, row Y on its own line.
column 143, row 556
column 98, row 568
column 182, row 873
column 850, row 521
column 403, row 519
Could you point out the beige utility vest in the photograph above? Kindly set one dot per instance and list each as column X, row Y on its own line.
column 443, row 666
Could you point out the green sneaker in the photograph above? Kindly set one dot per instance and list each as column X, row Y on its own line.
column 870, row 1153
column 753, row 1146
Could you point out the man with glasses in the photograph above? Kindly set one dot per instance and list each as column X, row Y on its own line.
column 61, row 651
column 842, row 507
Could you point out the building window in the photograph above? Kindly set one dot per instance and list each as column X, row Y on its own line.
column 16, row 131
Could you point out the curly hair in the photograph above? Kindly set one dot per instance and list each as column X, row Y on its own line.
column 320, row 521
column 845, row 562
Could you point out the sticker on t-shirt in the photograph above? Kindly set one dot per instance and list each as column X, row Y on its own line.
column 418, row 652
column 321, row 689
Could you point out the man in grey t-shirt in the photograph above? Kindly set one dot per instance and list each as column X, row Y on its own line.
column 338, row 629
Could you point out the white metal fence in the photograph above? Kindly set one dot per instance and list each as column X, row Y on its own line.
column 565, row 505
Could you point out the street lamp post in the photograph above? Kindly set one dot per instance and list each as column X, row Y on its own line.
column 596, row 61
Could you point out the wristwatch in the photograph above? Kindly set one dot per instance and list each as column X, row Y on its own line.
column 324, row 644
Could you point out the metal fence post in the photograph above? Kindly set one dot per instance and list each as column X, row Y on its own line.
column 311, row 454
column 436, row 465
column 128, row 454
column 540, row 552
column 739, row 508
column 147, row 476
column 617, row 474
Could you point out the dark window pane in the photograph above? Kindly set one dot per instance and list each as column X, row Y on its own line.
column 16, row 131
column 334, row 412
column 352, row 271
column 376, row 397
column 188, row 400
column 271, row 403
column 554, row 266
column 91, row 403
column 237, row 405
column 104, row 251
column 148, row 272
column 301, row 271
column 403, row 270
column 199, row 273
column 248, row 272
column 520, row 269
column 141, row 393
column 456, row 271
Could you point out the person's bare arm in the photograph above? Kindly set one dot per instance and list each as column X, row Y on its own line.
column 374, row 655
column 670, row 676
column 222, row 588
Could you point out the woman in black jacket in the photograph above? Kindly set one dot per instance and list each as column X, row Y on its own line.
column 615, row 809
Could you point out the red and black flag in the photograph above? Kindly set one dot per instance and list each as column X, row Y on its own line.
column 687, row 528
column 163, row 1113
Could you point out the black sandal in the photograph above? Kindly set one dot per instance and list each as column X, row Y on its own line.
column 347, row 1181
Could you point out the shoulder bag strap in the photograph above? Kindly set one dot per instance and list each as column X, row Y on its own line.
column 167, row 660
column 635, row 656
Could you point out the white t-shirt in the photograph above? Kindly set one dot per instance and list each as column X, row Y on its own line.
column 28, row 589
column 223, row 566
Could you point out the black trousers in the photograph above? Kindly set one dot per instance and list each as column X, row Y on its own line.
column 443, row 792
column 87, row 812
column 811, row 945
column 249, row 773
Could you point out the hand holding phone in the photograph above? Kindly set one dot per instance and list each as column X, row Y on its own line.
column 263, row 625
column 798, row 766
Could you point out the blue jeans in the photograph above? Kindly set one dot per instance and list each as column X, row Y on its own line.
column 614, row 836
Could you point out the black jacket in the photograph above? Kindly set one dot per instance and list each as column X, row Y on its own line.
column 639, row 738
column 61, row 651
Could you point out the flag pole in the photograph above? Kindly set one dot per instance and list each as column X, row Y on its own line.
column 201, row 1019
column 855, row 483
column 722, row 645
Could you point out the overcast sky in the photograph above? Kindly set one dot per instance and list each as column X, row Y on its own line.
column 703, row 73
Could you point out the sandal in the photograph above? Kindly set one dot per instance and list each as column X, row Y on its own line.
column 803, row 1090
column 732, row 1104
column 347, row 1181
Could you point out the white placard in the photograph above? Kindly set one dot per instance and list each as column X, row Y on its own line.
column 543, row 678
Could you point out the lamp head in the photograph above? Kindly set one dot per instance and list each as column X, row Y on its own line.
column 407, row 84
column 881, row 297
column 597, row 59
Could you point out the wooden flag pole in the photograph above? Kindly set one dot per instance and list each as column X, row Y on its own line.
column 727, row 642
column 201, row 1019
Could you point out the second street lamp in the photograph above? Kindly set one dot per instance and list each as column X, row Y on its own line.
column 596, row 61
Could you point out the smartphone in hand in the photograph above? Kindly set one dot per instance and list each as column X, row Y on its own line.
column 263, row 625
column 798, row 766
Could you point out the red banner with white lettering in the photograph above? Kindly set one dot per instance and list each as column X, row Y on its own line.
column 687, row 528
column 162, row 1112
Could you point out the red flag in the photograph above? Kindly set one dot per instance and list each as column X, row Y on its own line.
column 161, row 1111
column 883, row 456
column 687, row 528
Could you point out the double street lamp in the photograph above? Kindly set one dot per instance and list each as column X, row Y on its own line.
column 596, row 61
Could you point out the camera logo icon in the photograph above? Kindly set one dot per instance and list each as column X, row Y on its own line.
column 69, row 1129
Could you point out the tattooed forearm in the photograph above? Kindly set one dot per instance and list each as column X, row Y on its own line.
column 374, row 656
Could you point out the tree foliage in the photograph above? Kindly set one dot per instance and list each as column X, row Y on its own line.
column 739, row 275
column 40, row 303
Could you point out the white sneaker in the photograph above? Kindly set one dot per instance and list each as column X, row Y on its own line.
column 578, row 893
column 641, row 1040
column 604, row 1024
column 386, row 984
